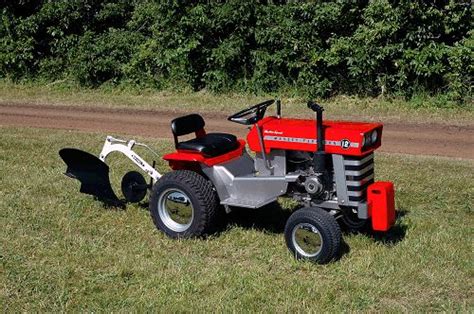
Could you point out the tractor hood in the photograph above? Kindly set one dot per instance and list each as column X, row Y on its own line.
column 341, row 137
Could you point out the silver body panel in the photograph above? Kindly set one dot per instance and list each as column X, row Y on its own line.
column 340, row 177
column 253, row 183
column 276, row 159
column 245, row 182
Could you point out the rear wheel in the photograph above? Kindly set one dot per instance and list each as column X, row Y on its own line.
column 183, row 204
column 312, row 233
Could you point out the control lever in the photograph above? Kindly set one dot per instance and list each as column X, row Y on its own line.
column 315, row 107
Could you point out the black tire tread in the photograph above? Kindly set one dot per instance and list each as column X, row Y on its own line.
column 348, row 226
column 204, row 193
column 327, row 222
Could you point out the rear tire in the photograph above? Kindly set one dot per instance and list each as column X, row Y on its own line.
column 134, row 187
column 313, row 234
column 183, row 204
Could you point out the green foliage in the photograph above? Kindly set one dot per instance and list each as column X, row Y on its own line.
column 379, row 47
column 101, row 58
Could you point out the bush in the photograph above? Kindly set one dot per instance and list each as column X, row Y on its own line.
column 373, row 48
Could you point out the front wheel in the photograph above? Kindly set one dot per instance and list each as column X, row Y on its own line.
column 351, row 223
column 312, row 233
column 183, row 204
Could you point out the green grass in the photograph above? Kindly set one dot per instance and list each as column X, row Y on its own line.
column 61, row 250
column 423, row 109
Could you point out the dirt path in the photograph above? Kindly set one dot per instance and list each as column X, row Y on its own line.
column 419, row 139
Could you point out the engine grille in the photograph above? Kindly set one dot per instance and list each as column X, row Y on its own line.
column 359, row 174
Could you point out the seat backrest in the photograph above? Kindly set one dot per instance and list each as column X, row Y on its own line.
column 187, row 124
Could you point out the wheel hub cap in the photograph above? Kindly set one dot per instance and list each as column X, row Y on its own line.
column 307, row 239
column 175, row 210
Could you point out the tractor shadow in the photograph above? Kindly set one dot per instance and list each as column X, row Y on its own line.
column 268, row 219
column 272, row 219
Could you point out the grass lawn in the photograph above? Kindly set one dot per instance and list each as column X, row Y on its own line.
column 61, row 250
column 420, row 110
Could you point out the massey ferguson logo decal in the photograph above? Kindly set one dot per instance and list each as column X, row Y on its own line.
column 345, row 144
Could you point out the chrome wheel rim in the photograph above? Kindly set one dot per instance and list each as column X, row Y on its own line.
column 175, row 210
column 307, row 239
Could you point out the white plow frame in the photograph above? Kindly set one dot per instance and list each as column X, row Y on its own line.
column 113, row 144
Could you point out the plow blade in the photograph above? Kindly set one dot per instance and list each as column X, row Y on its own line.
column 93, row 174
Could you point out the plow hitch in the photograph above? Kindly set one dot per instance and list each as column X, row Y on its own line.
column 93, row 172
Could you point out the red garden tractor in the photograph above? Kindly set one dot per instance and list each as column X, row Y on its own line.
column 326, row 166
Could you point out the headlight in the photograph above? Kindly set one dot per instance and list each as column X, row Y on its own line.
column 370, row 138
column 373, row 137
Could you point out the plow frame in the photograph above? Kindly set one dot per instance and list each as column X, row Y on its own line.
column 125, row 147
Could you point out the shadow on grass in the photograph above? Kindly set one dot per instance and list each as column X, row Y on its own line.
column 118, row 205
column 343, row 250
column 395, row 235
column 144, row 205
column 270, row 218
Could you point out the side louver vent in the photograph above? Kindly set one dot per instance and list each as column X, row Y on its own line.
column 359, row 174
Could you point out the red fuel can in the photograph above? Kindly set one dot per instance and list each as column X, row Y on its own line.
column 381, row 199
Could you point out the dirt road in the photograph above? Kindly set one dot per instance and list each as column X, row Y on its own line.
column 419, row 139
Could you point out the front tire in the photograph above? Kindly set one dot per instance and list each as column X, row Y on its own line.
column 183, row 204
column 313, row 234
column 353, row 224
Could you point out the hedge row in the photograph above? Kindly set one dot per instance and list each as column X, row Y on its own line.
column 320, row 48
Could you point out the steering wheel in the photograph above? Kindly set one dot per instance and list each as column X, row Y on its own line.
column 257, row 112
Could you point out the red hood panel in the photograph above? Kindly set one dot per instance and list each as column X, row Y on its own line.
column 341, row 137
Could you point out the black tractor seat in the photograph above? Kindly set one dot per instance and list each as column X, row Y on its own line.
column 210, row 145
